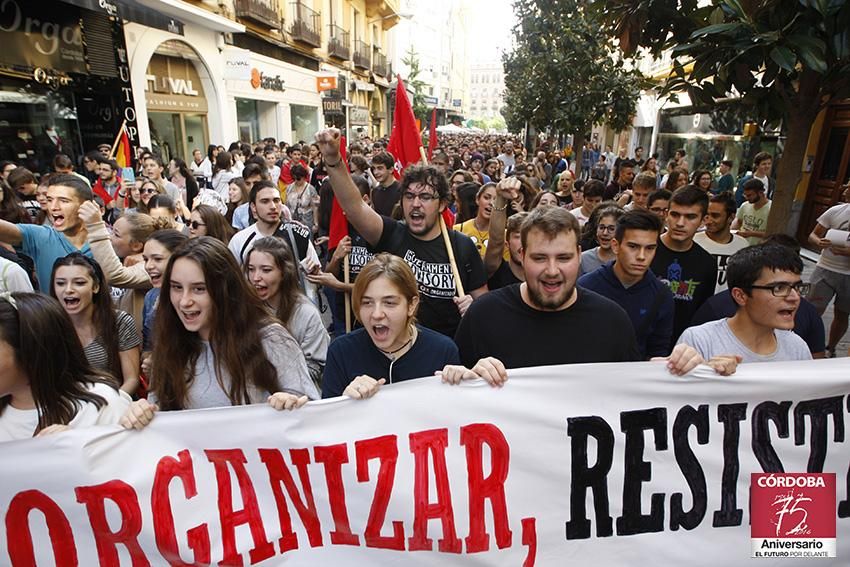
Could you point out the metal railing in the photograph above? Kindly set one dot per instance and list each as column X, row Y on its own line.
column 379, row 63
column 264, row 12
column 306, row 24
column 361, row 54
column 339, row 44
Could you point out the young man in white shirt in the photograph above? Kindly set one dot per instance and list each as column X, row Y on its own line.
column 718, row 239
column 751, row 218
column 765, row 283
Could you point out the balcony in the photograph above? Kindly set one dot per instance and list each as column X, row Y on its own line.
column 361, row 54
column 385, row 10
column 379, row 63
column 262, row 12
column 339, row 45
column 306, row 25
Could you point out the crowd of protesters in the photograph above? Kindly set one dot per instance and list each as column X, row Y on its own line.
column 203, row 283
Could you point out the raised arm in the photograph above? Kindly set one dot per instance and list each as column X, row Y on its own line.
column 364, row 219
column 134, row 277
column 10, row 233
column 506, row 191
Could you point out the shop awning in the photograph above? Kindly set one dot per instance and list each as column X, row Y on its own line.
column 167, row 15
column 189, row 13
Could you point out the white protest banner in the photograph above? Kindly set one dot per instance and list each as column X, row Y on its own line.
column 237, row 64
column 607, row 464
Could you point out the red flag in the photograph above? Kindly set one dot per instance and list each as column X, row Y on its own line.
column 432, row 134
column 123, row 154
column 405, row 143
column 338, row 228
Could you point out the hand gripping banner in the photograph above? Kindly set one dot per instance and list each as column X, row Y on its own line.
column 609, row 464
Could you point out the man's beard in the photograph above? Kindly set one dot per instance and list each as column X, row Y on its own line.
column 550, row 303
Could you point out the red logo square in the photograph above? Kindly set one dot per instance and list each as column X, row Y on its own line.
column 793, row 505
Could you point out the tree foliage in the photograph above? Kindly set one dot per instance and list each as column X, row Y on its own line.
column 563, row 74
column 411, row 59
column 788, row 59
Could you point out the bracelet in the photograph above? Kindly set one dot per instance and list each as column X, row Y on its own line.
column 500, row 209
column 335, row 164
column 122, row 194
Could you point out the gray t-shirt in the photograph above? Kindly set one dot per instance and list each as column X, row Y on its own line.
column 590, row 260
column 206, row 391
column 716, row 338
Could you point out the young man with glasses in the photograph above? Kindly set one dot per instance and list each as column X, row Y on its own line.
column 764, row 280
column 418, row 240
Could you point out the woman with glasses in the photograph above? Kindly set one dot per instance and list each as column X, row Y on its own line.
column 147, row 190
column 207, row 221
column 606, row 224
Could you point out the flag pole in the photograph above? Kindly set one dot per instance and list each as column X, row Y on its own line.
column 117, row 139
column 346, row 275
column 445, row 232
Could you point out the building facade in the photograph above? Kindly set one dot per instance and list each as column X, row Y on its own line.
column 244, row 70
column 486, row 90
column 436, row 32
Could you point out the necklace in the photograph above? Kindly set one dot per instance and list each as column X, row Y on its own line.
column 391, row 353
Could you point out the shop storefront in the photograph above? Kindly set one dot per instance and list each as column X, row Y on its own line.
column 279, row 100
column 710, row 135
column 176, row 102
column 64, row 81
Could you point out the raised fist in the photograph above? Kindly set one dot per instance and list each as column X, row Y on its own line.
column 508, row 188
column 329, row 140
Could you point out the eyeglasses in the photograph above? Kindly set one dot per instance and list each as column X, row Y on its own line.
column 148, row 191
column 195, row 224
column 783, row 289
column 425, row 197
column 606, row 227
column 658, row 210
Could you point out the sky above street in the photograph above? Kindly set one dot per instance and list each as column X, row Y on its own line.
column 489, row 26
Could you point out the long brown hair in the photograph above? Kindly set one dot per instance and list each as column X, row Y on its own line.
column 103, row 315
column 237, row 316
column 217, row 225
column 396, row 270
column 50, row 354
column 290, row 290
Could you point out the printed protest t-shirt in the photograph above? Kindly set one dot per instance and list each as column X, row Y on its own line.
column 721, row 253
column 429, row 261
column 691, row 276
column 360, row 255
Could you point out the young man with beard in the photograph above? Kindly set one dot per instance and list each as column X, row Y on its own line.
column 629, row 282
column 689, row 270
column 718, row 239
column 547, row 319
column 387, row 194
column 765, row 283
column 751, row 218
column 46, row 244
column 418, row 240
column 267, row 208
column 623, row 182
column 507, row 157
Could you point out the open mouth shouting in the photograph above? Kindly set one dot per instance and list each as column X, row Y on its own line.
column 71, row 303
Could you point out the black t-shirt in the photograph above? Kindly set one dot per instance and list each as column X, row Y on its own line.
column 354, row 354
column 691, row 276
column 385, row 198
column 502, row 325
column 361, row 254
column 430, row 263
column 502, row 277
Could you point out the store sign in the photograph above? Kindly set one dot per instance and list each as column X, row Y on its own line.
column 359, row 115
column 260, row 80
column 332, row 105
column 363, row 86
column 456, row 102
column 326, row 83
column 38, row 38
column 432, row 100
column 237, row 64
column 173, row 84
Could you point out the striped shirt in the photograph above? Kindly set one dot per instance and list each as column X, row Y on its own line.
column 128, row 337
